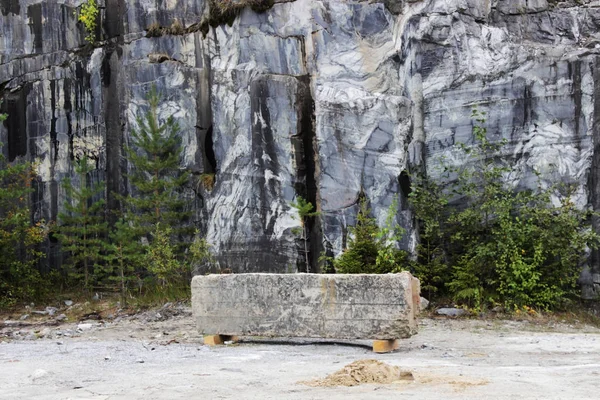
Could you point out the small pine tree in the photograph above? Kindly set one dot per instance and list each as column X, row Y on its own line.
column 305, row 211
column 371, row 249
column 123, row 257
column 361, row 254
column 161, row 258
column 389, row 257
column 155, row 205
column 156, row 176
column 82, row 230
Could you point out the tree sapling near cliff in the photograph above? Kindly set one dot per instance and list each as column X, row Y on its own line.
column 156, row 176
column 82, row 230
column 155, row 209
column 371, row 249
column 305, row 211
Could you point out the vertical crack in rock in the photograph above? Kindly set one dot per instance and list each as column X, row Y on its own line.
column 68, row 106
column 34, row 12
column 575, row 72
column 307, row 171
column 113, row 18
column 115, row 165
column 53, row 153
column 16, row 123
column 588, row 285
column 113, row 94
column 210, row 165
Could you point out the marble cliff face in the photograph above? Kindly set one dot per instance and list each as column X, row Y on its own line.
column 326, row 99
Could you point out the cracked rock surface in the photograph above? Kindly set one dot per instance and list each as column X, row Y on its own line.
column 326, row 99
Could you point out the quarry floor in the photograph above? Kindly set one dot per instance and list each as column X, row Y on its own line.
column 149, row 357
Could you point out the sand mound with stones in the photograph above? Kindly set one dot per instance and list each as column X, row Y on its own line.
column 363, row 371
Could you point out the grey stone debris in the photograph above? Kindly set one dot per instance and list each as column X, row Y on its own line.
column 451, row 312
column 424, row 303
column 68, row 303
column 51, row 311
column 325, row 99
column 307, row 305
column 61, row 317
column 24, row 317
column 84, row 327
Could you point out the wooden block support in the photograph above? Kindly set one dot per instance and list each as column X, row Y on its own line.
column 217, row 340
column 385, row 346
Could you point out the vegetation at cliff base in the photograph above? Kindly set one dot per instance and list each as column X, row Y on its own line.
column 482, row 242
column 150, row 248
column 19, row 236
column 486, row 243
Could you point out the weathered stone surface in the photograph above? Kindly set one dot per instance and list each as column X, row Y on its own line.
column 325, row 99
column 307, row 305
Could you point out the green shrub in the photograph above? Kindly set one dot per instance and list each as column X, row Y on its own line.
column 199, row 253
column 500, row 245
column 88, row 16
column 372, row 250
column 305, row 211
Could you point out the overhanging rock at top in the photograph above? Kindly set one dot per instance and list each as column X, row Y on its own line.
column 340, row 306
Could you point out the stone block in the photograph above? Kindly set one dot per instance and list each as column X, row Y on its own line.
column 307, row 305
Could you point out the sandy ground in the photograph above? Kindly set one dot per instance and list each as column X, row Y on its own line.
column 146, row 358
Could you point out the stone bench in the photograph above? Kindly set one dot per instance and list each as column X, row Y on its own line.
column 339, row 306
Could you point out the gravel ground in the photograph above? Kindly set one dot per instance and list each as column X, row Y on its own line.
column 149, row 357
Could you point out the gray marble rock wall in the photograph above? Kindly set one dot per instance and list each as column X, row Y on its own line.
column 329, row 99
column 307, row 305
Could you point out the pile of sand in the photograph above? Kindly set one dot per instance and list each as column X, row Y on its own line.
column 363, row 371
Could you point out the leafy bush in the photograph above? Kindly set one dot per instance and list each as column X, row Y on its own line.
column 88, row 16
column 497, row 245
